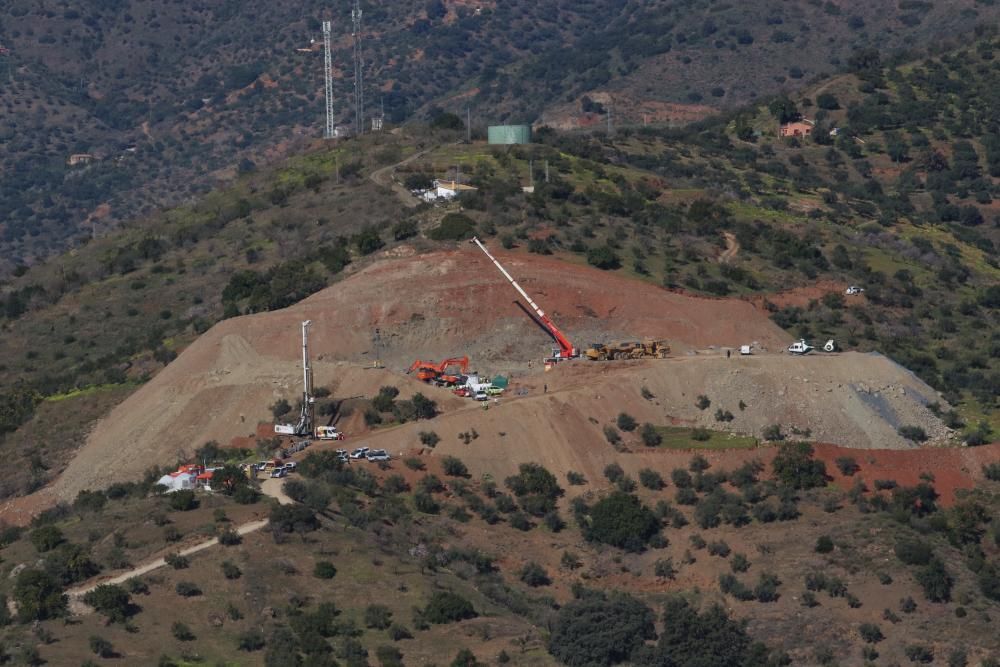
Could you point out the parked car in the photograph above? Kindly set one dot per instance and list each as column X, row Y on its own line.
column 279, row 472
column 290, row 466
column 854, row 289
column 359, row 453
column 482, row 396
column 378, row 455
column 494, row 391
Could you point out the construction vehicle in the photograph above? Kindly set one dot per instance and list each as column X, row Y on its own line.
column 628, row 350
column 428, row 371
column 565, row 350
column 800, row 347
column 306, row 416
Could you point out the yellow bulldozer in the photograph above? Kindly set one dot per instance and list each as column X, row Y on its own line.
column 628, row 350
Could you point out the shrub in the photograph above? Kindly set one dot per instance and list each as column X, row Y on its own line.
column 664, row 568
column 251, row 640
column 824, row 544
column 621, row 520
column 766, row 589
column 230, row 538
column 399, row 632
column 448, row 607
column 603, row 257
column 907, row 605
column 181, row 632
column 177, row 561
column 795, row 467
column 686, row 496
column 111, row 600
column 424, row 502
column 650, row 436
column 324, row 569
column 913, row 551
column 681, row 478
column 183, row 501
column 38, row 595
column 919, row 654
column 599, row 629
column 651, row 479
column 847, row 465
column 723, row 415
column 575, row 478
column 535, row 575
column 739, row 563
column 936, row 581
column 912, row 433
column 187, row 589
column 46, row 538
column 377, row 616
column 453, row 227
column 613, row 472
column 719, row 548
column 612, row 435
column 871, row 633
column 703, row 402
column 101, row 647
column 773, row 433
column 231, row 570
column 698, row 464
column 292, row 518
column 626, row 422
column 453, row 467
column 413, row 463
column 992, row 472
column 429, row 438
column 701, row 434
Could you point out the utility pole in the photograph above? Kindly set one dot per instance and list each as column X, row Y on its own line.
column 328, row 80
column 531, row 174
column 359, row 95
column 377, row 347
column 468, row 125
column 546, row 171
column 609, row 118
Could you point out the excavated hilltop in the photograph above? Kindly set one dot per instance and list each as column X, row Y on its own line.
column 452, row 303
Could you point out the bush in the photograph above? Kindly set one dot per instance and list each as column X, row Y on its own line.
column 230, row 538
column 183, row 501
column 454, row 467
column 603, row 257
column 324, row 569
column 621, row 520
column 600, row 629
column 612, row 435
column 871, row 633
column 992, row 472
column 111, row 600
column 651, row 479
column 701, row 434
column 535, row 575
column 681, row 478
column 101, row 647
column 703, row 402
column 913, row 551
column 231, row 570
column 429, row 438
column 773, row 433
column 766, row 589
column 177, row 561
column 936, row 581
column 847, row 465
column 181, row 632
column 378, row 616
column 626, row 422
column 739, row 563
column 251, row 640
column 719, row 548
column 919, row 654
column 913, row 433
column 650, row 436
column 399, row 632
column 39, row 596
column 824, row 544
column 453, row 227
column 448, row 607
column 292, row 518
column 795, row 467
column 187, row 589
column 575, row 478
column 613, row 472
column 46, row 538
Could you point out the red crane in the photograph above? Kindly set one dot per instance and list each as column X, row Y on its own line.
column 566, row 349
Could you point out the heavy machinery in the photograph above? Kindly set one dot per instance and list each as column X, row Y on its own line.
column 628, row 350
column 565, row 350
column 428, row 371
column 306, row 417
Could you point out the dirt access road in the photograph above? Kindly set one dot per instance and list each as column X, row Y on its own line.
column 270, row 487
column 384, row 178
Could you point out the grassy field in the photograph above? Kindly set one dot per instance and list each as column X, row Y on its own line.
column 677, row 437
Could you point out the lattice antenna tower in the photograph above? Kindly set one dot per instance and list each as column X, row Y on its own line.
column 359, row 94
column 328, row 80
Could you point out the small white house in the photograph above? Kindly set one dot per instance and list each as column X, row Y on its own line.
column 177, row 481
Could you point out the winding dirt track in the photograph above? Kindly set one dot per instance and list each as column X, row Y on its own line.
column 270, row 487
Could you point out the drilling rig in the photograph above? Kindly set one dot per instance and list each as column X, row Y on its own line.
column 306, row 417
column 565, row 350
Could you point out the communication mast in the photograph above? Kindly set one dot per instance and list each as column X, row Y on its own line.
column 328, row 80
column 359, row 94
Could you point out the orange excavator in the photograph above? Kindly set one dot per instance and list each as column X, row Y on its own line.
column 428, row 371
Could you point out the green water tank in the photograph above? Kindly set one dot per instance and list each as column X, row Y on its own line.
column 509, row 134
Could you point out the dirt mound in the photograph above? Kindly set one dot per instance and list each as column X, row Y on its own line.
column 448, row 303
